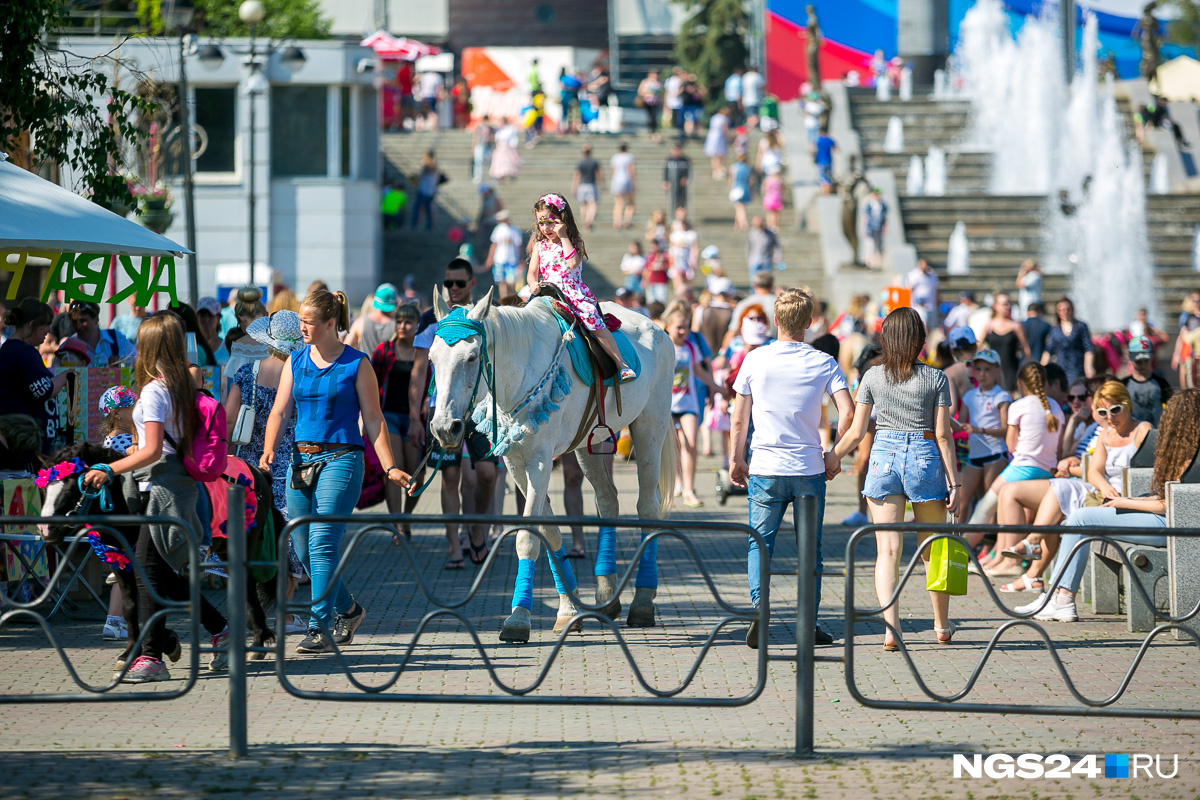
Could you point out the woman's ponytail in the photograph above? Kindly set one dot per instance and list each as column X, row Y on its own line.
column 343, row 314
column 1033, row 376
column 330, row 306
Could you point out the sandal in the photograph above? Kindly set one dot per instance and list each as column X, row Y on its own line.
column 691, row 501
column 1024, row 549
column 476, row 558
column 455, row 563
column 1026, row 584
column 944, row 635
column 1015, row 571
column 577, row 552
column 891, row 646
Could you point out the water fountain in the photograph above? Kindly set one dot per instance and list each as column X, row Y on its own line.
column 1196, row 249
column 906, row 80
column 893, row 140
column 1067, row 143
column 958, row 253
column 1160, row 181
column 883, row 89
column 939, row 84
column 935, row 172
column 914, row 182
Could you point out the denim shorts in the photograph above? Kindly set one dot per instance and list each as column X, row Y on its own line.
column 397, row 423
column 905, row 463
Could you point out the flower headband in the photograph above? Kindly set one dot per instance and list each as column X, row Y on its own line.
column 116, row 397
column 59, row 471
column 554, row 200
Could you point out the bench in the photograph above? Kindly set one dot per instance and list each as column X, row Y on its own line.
column 1183, row 554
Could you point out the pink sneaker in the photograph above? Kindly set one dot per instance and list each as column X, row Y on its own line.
column 220, row 643
column 146, row 670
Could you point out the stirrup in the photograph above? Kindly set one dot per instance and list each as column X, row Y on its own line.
column 627, row 375
column 605, row 446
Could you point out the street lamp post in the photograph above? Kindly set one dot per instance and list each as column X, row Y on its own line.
column 177, row 14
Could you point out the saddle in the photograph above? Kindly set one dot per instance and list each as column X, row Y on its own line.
column 603, row 369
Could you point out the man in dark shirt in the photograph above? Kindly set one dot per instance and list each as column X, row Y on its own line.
column 585, row 186
column 1149, row 390
column 676, row 171
column 1036, row 331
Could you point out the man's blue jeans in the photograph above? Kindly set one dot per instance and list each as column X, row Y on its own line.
column 769, row 499
column 319, row 545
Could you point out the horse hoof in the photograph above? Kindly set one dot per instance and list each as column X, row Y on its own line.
column 257, row 656
column 516, row 628
column 607, row 597
column 562, row 622
column 641, row 610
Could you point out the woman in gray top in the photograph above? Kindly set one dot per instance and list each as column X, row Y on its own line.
column 912, row 458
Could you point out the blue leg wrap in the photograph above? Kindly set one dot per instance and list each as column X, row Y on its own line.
column 523, row 591
column 606, row 552
column 560, row 568
column 647, row 574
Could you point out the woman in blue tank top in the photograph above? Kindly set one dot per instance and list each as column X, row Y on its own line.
column 328, row 385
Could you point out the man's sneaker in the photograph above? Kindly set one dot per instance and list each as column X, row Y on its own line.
column 294, row 624
column 114, row 629
column 220, row 643
column 822, row 636
column 1056, row 611
column 344, row 626
column 146, row 670
column 752, row 635
column 857, row 519
column 1036, row 605
column 315, row 642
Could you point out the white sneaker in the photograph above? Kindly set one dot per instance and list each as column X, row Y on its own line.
column 1058, row 612
column 856, row 519
column 1034, row 606
column 114, row 629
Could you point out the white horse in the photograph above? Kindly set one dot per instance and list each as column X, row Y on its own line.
column 541, row 401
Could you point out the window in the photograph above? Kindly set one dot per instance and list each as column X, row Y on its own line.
column 344, row 95
column 299, row 130
column 216, row 128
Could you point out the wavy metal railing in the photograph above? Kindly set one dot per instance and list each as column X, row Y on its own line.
column 364, row 524
column 1099, row 707
column 97, row 693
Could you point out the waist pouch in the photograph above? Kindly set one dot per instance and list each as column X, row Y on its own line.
column 304, row 476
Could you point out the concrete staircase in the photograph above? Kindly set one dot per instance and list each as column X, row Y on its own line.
column 1002, row 230
column 549, row 167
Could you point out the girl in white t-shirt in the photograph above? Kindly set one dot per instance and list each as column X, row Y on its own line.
column 632, row 265
column 1034, row 425
column 984, row 415
column 685, row 401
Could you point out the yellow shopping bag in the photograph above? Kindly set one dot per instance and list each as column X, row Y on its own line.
column 947, row 572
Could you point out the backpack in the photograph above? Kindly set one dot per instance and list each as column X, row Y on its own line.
column 210, row 448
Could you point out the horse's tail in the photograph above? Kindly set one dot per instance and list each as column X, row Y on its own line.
column 666, row 473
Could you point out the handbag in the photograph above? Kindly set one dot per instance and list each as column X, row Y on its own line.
column 243, row 427
column 947, row 571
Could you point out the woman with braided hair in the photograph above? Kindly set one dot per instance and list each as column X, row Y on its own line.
column 1034, row 425
column 1176, row 449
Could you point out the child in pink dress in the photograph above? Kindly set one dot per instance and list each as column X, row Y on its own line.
column 556, row 254
column 772, row 200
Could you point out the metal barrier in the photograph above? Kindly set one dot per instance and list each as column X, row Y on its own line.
column 1088, row 707
column 364, row 524
column 109, row 524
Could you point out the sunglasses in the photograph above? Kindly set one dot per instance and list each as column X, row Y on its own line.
column 1077, row 398
column 1111, row 411
column 756, row 319
column 85, row 307
column 449, row 284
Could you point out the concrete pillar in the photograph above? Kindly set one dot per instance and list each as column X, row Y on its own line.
column 923, row 36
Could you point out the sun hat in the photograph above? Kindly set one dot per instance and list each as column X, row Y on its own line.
column 280, row 331
column 502, row 215
column 712, row 251
column 116, row 397
column 210, row 305
column 74, row 346
column 988, row 355
column 386, row 298
column 722, row 286
column 961, row 337
column 1140, row 348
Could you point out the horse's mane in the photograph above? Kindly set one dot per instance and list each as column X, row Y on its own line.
column 522, row 329
column 85, row 451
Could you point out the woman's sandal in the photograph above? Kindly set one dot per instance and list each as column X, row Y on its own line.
column 577, row 552
column 1024, row 549
column 478, row 554
column 891, row 646
column 1026, row 584
column 944, row 635
column 454, row 563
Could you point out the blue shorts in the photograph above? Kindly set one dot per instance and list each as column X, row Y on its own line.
column 504, row 273
column 907, row 464
column 983, row 461
column 1015, row 474
column 397, row 423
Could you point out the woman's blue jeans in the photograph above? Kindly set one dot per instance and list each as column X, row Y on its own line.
column 769, row 499
column 423, row 201
column 318, row 544
column 1068, row 576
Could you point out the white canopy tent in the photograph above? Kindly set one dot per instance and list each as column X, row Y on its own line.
column 37, row 216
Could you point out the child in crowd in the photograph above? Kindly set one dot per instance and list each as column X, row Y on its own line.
column 116, row 407
column 1149, row 390
column 655, row 277
column 556, row 254
column 984, row 417
column 632, row 265
column 685, row 399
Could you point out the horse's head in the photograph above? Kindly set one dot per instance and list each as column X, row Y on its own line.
column 63, row 495
column 456, row 372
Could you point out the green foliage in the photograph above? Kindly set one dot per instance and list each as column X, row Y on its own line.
column 52, row 96
column 150, row 16
column 712, row 41
column 1184, row 29
column 284, row 19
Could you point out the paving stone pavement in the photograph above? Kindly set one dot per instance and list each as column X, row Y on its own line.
column 325, row 749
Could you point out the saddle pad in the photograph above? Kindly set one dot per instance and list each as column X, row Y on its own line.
column 580, row 358
column 235, row 468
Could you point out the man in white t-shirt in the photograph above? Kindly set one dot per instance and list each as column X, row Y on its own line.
column 429, row 90
column 780, row 388
column 922, row 281
column 505, row 254
column 752, row 86
column 673, row 96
